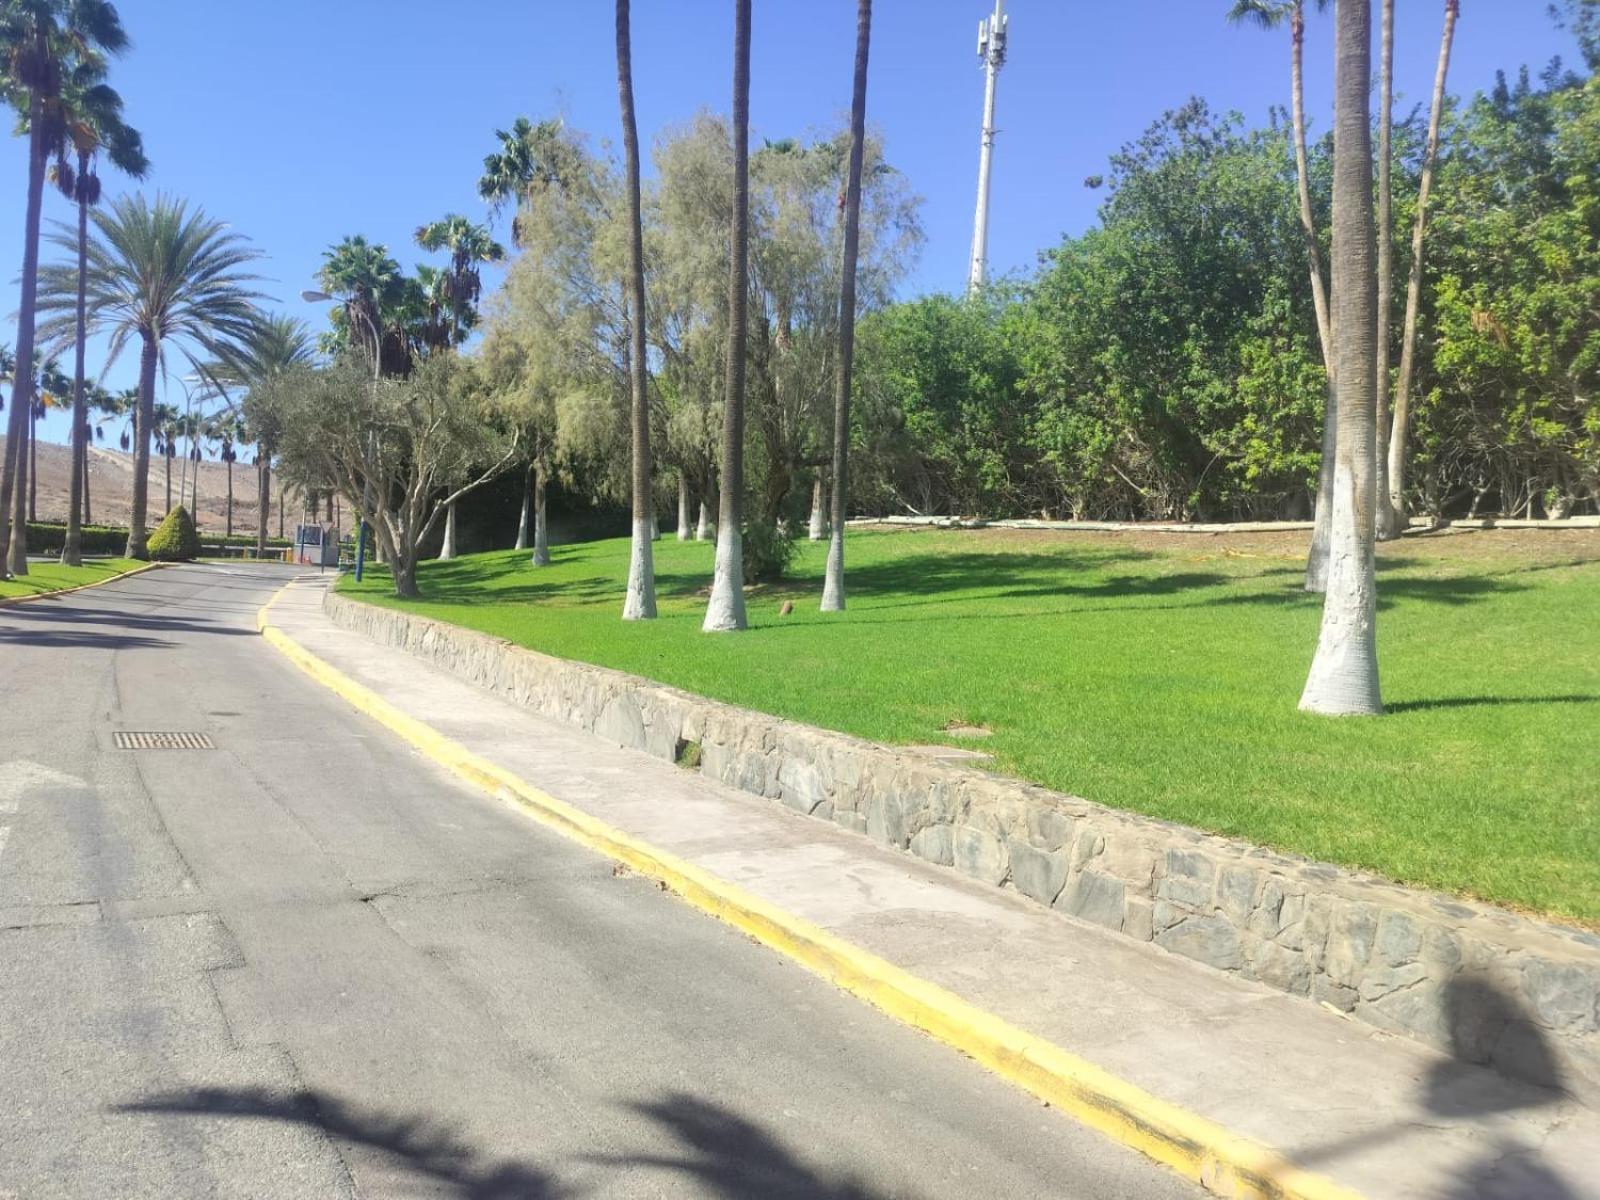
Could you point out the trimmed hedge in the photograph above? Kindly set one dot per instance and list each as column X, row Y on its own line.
column 175, row 539
column 49, row 538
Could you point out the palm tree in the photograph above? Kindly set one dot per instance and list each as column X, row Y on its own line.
column 640, row 603
column 164, row 419
column 1270, row 14
column 370, row 282
column 833, row 582
column 725, row 612
column 168, row 275
column 94, row 124
column 1386, row 522
column 1344, row 673
column 275, row 344
column 54, row 392
column 1396, row 498
column 224, row 430
column 469, row 246
column 40, row 40
column 528, row 154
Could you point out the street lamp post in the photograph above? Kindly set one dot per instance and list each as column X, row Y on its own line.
column 316, row 297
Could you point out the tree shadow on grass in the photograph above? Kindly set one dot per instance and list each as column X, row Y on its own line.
column 1484, row 702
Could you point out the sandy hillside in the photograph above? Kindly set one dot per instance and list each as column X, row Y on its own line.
column 111, row 488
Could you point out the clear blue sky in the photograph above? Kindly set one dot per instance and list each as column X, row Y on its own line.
column 300, row 121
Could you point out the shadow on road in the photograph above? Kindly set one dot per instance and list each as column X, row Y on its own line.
column 722, row 1153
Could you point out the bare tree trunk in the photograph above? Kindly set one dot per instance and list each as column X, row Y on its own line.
column 726, row 612
column 33, row 464
column 819, row 521
column 702, row 529
column 263, row 497
column 1399, row 434
column 527, row 505
column 1344, row 674
column 282, row 488
column 88, row 513
column 230, row 497
column 541, row 526
column 640, row 604
column 447, row 549
column 1317, row 559
column 683, row 507
column 1387, row 520
column 142, row 428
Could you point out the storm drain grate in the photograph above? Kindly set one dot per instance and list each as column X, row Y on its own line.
column 164, row 740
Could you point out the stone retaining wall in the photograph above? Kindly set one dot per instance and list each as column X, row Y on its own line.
column 1480, row 982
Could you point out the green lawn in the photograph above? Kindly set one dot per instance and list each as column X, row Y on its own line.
column 52, row 577
column 1159, row 676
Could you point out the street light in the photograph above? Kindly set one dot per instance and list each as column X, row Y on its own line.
column 311, row 296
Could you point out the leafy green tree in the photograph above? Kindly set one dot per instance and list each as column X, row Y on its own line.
column 170, row 276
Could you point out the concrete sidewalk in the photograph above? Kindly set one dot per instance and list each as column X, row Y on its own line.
column 1376, row 1114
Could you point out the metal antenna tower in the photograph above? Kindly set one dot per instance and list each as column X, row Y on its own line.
column 992, row 52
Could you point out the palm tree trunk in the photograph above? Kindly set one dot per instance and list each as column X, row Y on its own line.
column 230, row 497
column 1408, row 336
column 72, row 549
column 640, row 603
column 88, row 515
column 141, row 448
column 1388, row 523
column 702, row 528
column 13, row 530
column 1344, row 673
column 819, row 521
column 447, row 549
column 726, row 612
column 527, row 506
column 33, row 464
column 683, row 507
column 263, row 496
column 541, row 525
column 833, row 581
column 1317, row 559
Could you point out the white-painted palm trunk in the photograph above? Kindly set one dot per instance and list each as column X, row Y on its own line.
column 541, row 525
column 522, row 521
column 448, row 548
column 683, row 508
column 833, row 581
column 704, row 529
column 1317, row 556
column 725, row 613
column 1344, row 673
column 640, row 604
column 655, row 526
column 819, row 523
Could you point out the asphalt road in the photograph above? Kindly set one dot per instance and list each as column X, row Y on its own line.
column 307, row 963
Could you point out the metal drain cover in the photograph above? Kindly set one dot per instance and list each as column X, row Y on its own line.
column 163, row 740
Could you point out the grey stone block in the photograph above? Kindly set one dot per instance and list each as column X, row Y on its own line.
column 1037, row 874
column 935, row 844
column 1561, row 996
column 1379, row 981
column 1236, row 894
column 800, row 785
column 1326, row 991
column 1281, row 968
column 886, row 818
column 1096, row 897
column 1138, row 919
column 1189, row 881
column 621, row 722
column 1351, row 933
column 1132, row 862
column 980, row 854
column 853, row 821
column 1399, row 939
column 1049, row 829
column 1208, row 939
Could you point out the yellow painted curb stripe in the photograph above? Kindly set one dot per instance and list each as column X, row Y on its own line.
column 1203, row 1151
column 8, row 601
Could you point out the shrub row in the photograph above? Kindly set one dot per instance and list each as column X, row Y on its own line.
column 48, row 538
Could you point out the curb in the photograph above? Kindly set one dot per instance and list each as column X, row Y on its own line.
column 9, row 601
column 1195, row 1147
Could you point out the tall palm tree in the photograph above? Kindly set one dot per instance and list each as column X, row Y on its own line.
column 1399, row 431
column 1344, row 673
column 169, row 275
column 725, row 612
column 833, row 581
column 275, row 344
column 640, row 603
column 1270, row 14
column 1386, row 521
column 528, row 154
column 94, row 125
column 469, row 247
column 371, row 284
column 164, row 422
column 39, row 42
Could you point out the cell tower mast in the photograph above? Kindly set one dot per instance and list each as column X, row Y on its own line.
column 992, row 52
